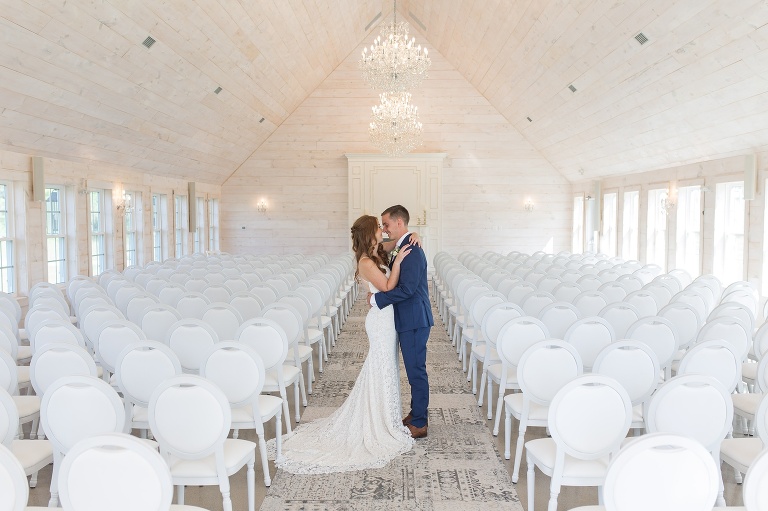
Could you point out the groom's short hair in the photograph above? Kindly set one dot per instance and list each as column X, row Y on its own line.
column 397, row 212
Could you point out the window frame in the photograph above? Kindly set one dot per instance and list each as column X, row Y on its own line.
column 61, row 237
column 97, row 261
column 651, row 242
column 609, row 235
column 213, row 224
column 8, row 277
column 722, row 265
column 681, row 232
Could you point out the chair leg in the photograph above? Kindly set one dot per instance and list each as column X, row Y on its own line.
column 251, row 480
column 481, row 394
column 554, row 492
column 296, row 390
column 499, row 408
column 279, row 435
column 508, row 435
column 490, row 398
column 33, row 480
column 33, row 429
column 235, row 433
column 531, row 482
column 518, row 448
column 180, row 494
column 54, row 501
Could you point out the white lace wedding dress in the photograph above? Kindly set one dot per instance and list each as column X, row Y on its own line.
column 366, row 431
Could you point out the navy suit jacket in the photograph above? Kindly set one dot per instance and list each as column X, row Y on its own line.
column 411, row 295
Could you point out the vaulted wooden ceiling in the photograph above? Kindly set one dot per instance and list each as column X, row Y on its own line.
column 77, row 83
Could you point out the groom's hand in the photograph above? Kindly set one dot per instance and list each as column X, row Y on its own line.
column 368, row 300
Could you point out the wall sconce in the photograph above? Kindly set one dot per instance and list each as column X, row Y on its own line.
column 528, row 205
column 667, row 204
column 125, row 205
column 422, row 220
column 261, row 207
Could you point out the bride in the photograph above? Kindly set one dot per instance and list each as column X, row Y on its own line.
column 367, row 430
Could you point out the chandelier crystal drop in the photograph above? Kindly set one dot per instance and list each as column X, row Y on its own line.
column 395, row 128
column 394, row 63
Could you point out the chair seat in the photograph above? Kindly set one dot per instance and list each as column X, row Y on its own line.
column 174, row 507
column 749, row 371
column 746, row 404
column 582, row 472
column 23, row 375
column 741, row 451
column 268, row 405
column 32, row 454
column 236, row 451
column 314, row 335
column 140, row 414
column 479, row 351
column 304, row 353
column 27, row 405
column 495, row 372
column 290, row 373
column 36, row 508
column 536, row 411
column 24, row 352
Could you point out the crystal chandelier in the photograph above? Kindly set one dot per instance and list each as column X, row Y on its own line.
column 395, row 63
column 395, row 128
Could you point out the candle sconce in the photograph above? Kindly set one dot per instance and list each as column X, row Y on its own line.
column 422, row 220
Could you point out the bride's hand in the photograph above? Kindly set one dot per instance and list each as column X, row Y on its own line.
column 404, row 251
column 415, row 239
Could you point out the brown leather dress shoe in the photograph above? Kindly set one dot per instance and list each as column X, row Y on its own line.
column 417, row 432
column 407, row 419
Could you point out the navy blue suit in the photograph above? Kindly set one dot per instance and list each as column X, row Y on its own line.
column 413, row 320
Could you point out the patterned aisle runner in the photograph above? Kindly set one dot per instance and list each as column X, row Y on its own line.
column 457, row 467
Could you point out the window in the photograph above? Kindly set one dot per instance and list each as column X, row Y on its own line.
column 610, row 224
column 199, row 224
column 630, row 221
column 159, row 227
column 577, row 245
column 729, row 232
column 656, row 252
column 132, row 223
column 56, row 236
column 98, row 224
column 180, row 223
column 213, row 224
column 7, row 270
column 689, row 229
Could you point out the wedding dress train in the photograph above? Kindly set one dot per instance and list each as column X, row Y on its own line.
column 366, row 431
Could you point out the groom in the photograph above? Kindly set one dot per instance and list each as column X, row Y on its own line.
column 413, row 316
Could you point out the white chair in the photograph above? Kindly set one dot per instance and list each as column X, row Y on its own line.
column 631, row 282
column 558, row 317
column 33, row 454
column 93, row 319
column 112, row 338
column 190, row 339
column 745, row 404
column 620, row 315
column 170, row 293
column 660, row 472
column 516, row 336
column 534, row 302
column 589, row 282
column 716, row 358
column 644, row 301
column 55, row 330
column 311, row 336
column 734, row 310
column 74, row 408
column 660, row 335
column 217, row 293
column 740, row 453
column 191, row 418
column 696, row 406
column 590, row 303
column 732, row 329
column 266, row 293
column 613, row 291
column 695, row 299
column 686, row 320
column 589, row 336
column 544, row 369
column 28, row 407
column 124, row 294
column 663, row 288
column 223, row 318
column 474, row 332
column 239, row 372
column 137, row 304
column 57, row 360
column 635, row 366
column 588, row 419
column 289, row 320
column 520, row 291
column 567, row 291
column 13, row 484
column 157, row 319
column 192, row 305
column 268, row 339
column 139, row 370
column 116, row 472
column 496, row 317
column 247, row 304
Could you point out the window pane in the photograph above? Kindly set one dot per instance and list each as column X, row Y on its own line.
column 729, row 232
column 629, row 225
column 657, row 229
column 577, row 237
column 688, row 255
column 610, row 224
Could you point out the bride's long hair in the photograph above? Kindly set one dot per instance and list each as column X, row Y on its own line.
column 364, row 242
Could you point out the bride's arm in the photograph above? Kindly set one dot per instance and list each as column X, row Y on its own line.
column 372, row 274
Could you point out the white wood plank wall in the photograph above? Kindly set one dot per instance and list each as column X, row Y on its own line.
column 301, row 172
column 16, row 170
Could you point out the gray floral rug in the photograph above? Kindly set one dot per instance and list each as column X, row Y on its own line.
column 457, row 467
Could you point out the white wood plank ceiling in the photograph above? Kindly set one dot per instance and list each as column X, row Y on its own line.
column 77, row 83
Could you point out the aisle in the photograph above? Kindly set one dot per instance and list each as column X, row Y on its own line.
column 456, row 468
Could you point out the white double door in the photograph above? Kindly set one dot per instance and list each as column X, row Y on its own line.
column 377, row 182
